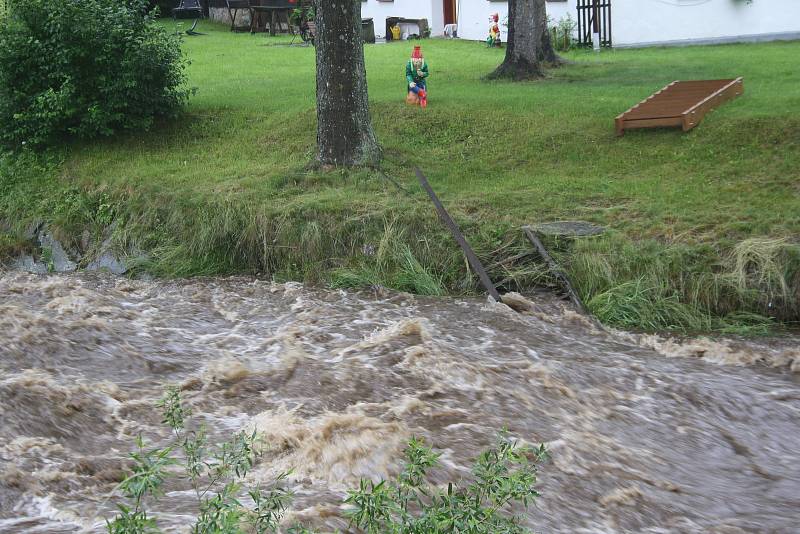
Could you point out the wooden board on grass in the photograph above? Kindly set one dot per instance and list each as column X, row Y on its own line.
column 680, row 104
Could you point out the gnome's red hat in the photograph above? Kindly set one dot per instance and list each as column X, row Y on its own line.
column 417, row 53
column 495, row 17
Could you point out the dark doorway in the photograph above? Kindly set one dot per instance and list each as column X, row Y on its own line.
column 450, row 14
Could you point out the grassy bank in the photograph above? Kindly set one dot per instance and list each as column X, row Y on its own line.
column 702, row 226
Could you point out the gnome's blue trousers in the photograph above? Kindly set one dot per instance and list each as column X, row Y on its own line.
column 420, row 86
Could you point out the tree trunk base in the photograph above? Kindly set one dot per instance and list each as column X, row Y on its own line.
column 518, row 70
column 557, row 62
column 547, row 52
column 551, row 59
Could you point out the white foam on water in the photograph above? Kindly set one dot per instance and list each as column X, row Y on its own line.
column 336, row 448
column 721, row 352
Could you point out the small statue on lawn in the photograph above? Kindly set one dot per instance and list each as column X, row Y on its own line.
column 416, row 76
column 494, row 32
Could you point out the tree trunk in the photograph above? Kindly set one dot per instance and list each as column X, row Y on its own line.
column 527, row 22
column 547, row 53
column 344, row 128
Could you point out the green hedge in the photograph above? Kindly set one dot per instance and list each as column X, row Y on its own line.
column 85, row 68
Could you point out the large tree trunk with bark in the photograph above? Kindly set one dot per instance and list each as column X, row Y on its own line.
column 528, row 41
column 547, row 52
column 344, row 128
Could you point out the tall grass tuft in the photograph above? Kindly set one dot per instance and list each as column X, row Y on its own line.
column 653, row 286
column 647, row 304
column 413, row 277
column 768, row 272
column 390, row 263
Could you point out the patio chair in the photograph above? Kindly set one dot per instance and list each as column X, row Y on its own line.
column 189, row 9
column 234, row 6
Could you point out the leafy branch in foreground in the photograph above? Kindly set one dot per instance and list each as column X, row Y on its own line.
column 214, row 473
column 502, row 476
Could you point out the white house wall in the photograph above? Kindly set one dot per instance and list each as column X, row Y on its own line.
column 437, row 18
column 637, row 22
column 634, row 22
column 473, row 16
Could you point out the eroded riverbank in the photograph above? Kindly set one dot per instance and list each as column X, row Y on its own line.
column 338, row 381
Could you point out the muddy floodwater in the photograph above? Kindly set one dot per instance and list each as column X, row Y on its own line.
column 645, row 434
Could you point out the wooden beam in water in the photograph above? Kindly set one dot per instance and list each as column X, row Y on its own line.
column 473, row 260
column 559, row 273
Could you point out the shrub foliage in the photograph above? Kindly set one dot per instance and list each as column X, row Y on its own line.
column 503, row 482
column 85, row 68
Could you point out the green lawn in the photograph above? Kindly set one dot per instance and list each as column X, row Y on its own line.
column 229, row 186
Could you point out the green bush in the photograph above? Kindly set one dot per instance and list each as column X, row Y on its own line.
column 503, row 476
column 502, row 482
column 85, row 68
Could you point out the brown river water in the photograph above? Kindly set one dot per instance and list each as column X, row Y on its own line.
column 646, row 434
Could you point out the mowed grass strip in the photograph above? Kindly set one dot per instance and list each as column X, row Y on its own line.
column 229, row 187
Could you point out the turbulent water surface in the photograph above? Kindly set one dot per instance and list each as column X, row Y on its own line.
column 646, row 435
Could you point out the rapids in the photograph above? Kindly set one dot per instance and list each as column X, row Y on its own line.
column 646, row 434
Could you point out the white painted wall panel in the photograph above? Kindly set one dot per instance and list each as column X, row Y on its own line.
column 634, row 22
column 660, row 21
column 437, row 18
column 473, row 16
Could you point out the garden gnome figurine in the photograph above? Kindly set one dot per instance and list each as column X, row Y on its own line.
column 494, row 31
column 416, row 76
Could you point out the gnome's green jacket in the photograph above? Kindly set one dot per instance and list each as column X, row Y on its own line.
column 412, row 76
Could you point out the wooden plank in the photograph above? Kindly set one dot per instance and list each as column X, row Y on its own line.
column 473, row 260
column 619, row 126
column 653, row 123
column 725, row 93
column 555, row 269
column 621, row 115
column 687, row 94
column 657, row 113
column 703, row 83
column 694, row 115
column 681, row 103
